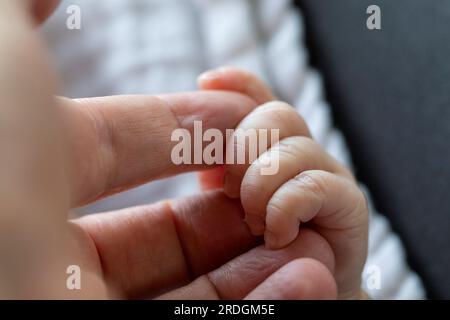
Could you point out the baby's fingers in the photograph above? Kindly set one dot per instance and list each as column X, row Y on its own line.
column 273, row 121
column 337, row 210
column 334, row 202
column 292, row 156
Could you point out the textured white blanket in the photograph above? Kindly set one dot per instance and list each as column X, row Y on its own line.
column 155, row 46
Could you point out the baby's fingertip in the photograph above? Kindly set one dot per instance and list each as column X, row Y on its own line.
column 207, row 79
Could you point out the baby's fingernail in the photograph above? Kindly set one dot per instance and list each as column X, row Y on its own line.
column 256, row 224
column 207, row 76
column 204, row 76
column 271, row 240
column 231, row 185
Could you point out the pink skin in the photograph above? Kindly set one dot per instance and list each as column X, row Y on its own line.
column 66, row 153
column 310, row 187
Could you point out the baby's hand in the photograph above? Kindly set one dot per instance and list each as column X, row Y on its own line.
column 310, row 188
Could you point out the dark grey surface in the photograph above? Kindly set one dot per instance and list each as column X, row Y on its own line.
column 390, row 90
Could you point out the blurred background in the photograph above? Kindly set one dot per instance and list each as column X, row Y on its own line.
column 390, row 91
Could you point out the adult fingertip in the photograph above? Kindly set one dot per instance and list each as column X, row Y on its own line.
column 322, row 284
column 235, row 79
column 301, row 279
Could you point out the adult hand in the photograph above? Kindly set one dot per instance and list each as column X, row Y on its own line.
column 59, row 153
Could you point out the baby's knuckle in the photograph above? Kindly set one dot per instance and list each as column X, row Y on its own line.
column 311, row 182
